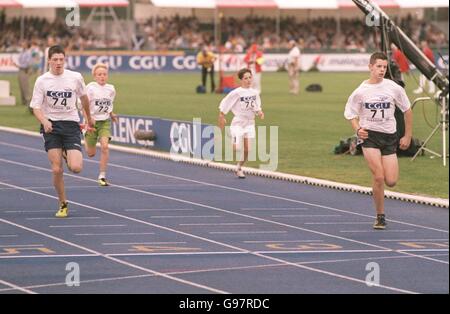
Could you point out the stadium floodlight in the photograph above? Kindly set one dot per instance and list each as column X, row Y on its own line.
column 392, row 33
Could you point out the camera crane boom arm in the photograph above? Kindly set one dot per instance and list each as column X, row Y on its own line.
column 405, row 44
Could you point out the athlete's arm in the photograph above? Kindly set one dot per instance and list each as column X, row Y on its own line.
column 43, row 120
column 405, row 141
column 222, row 121
column 85, row 103
column 360, row 132
column 114, row 117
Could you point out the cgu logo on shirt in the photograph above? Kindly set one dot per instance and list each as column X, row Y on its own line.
column 248, row 98
column 377, row 105
column 102, row 105
column 59, row 94
column 103, row 102
column 249, row 102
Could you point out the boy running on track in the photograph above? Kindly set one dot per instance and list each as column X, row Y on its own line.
column 54, row 105
column 101, row 96
column 370, row 109
column 245, row 103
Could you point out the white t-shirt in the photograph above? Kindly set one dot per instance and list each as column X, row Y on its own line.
column 56, row 95
column 101, row 100
column 294, row 53
column 374, row 104
column 244, row 103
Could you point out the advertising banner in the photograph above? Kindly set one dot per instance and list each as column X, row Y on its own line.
column 192, row 139
column 345, row 62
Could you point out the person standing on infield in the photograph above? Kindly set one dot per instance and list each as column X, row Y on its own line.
column 205, row 59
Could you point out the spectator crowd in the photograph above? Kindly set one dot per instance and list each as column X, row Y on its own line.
column 188, row 33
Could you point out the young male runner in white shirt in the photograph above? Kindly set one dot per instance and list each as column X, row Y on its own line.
column 101, row 97
column 54, row 105
column 245, row 103
column 370, row 109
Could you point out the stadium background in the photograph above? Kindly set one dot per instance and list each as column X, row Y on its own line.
column 155, row 73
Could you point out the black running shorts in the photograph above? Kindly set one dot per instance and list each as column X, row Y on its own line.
column 386, row 143
column 65, row 135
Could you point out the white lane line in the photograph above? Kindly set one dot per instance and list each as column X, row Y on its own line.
column 292, row 216
column 272, row 208
column 216, row 186
column 424, row 257
column 48, row 256
column 8, row 235
column 68, row 187
column 198, row 253
column 424, row 250
column 180, row 253
column 243, row 253
column 156, row 209
column 136, row 243
column 62, row 284
column 178, row 217
column 246, row 232
column 251, row 192
column 113, row 234
column 22, row 245
column 339, row 223
column 221, row 269
column 55, row 218
column 369, row 258
column 374, row 231
column 412, row 240
column 332, row 274
column 52, row 187
column 34, row 211
column 321, row 251
column 192, row 204
column 147, row 270
column 286, row 241
column 15, row 287
column 212, row 241
column 86, row 226
column 163, row 185
column 220, row 224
